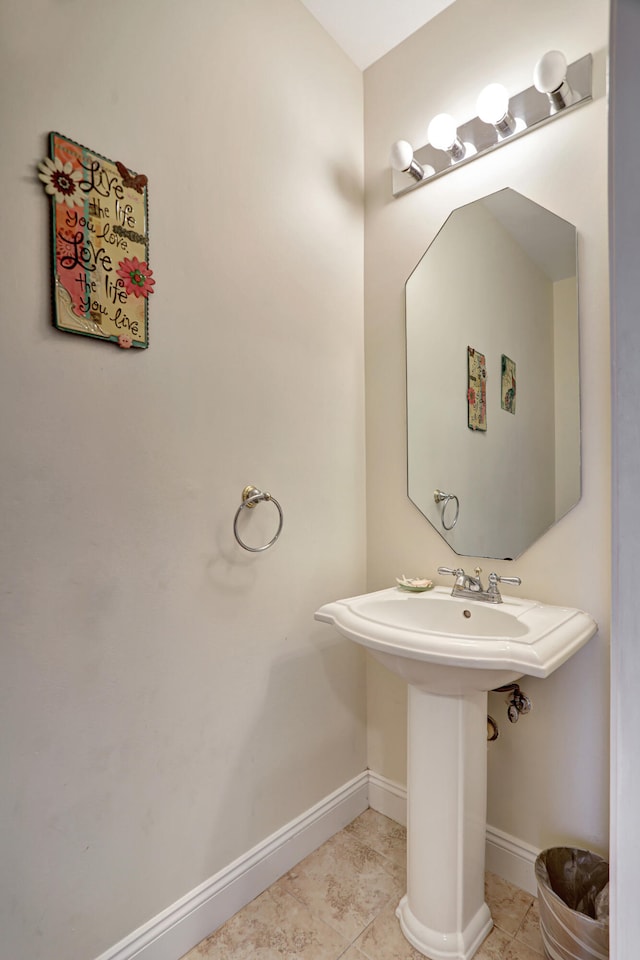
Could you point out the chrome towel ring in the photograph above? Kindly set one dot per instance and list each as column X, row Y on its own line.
column 250, row 497
column 445, row 499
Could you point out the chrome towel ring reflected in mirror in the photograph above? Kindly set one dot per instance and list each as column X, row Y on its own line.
column 250, row 497
column 445, row 499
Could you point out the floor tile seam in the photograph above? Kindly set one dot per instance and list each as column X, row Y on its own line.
column 517, row 914
column 524, row 943
column 396, row 894
column 351, row 946
column 352, row 837
column 508, row 933
column 285, row 929
column 383, row 832
column 524, row 919
column 373, row 836
column 321, row 919
column 327, row 921
column 394, row 876
column 361, row 936
column 387, row 860
column 293, row 895
column 395, row 898
column 367, row 843
column 386, row 856
column 282, row 926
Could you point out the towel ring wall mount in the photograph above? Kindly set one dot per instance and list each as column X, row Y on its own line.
column 251, row 496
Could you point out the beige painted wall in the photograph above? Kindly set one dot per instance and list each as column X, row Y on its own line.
column 548, row 775
column 167, row 699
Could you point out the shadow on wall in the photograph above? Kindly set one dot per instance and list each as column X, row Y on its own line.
column 233, row 568
column 349, row 187
column 297, row 686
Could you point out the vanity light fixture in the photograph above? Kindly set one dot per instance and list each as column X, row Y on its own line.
column 501, row 118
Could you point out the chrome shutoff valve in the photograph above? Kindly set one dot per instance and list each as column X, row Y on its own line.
column 519, row 703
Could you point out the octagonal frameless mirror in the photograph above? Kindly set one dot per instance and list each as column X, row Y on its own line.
column 493, row 396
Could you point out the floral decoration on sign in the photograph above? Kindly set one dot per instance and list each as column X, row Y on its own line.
column 61, row 181
column 101, row 274
column 136, row 277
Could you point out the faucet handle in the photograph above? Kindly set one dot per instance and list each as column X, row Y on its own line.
column 494, row 580
column 449, row 571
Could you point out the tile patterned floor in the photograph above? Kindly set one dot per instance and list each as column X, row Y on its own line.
column 339, row 904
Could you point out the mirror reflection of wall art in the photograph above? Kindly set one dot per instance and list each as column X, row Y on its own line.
column 508, row 385
column 100, row 244
column 476, row 390
column 500, row 277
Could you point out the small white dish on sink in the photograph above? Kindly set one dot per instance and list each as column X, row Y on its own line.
column 414, row 584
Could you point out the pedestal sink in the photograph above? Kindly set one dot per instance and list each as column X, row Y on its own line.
column 451, row 651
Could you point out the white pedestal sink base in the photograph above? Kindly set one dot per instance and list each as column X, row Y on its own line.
column 458, row 945
column 449, row 649
column 444, row 914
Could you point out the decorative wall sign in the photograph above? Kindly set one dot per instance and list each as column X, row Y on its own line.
column 476, row 390
column 508, row 386
column 101, row 276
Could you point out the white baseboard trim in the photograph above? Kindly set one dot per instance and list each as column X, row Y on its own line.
column 512, row 859
column 507, row 856
column 388, row 798
column 188, row 921
column 172, row 933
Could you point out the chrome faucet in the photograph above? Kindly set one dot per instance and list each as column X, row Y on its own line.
column 471, row 587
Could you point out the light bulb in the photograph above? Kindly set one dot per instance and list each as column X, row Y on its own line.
column 401, row 158
column 550, row 77
column 401, row 155
column 442, row 132
column 493, row 103
column 550, row 71
column 493, row 108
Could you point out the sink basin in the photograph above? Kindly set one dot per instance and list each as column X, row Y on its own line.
column 452, row 651
column 447, row 644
